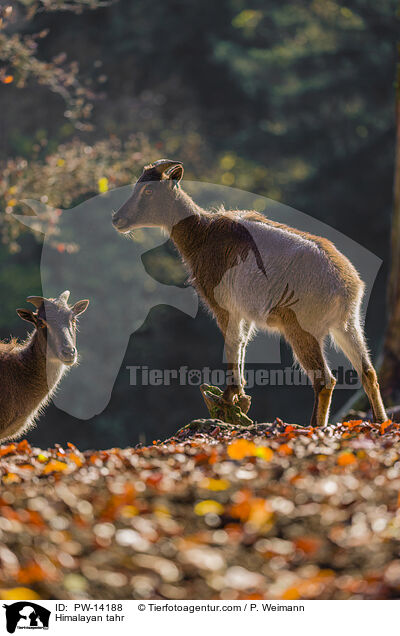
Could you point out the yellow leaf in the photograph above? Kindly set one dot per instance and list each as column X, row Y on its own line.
column 18, row 594
column 161, row 511
column 214, row 484
column 208, row 506
column 265, row 453
column 129, row 511
column 103, row 184
column 42, row 458
column 60, row 162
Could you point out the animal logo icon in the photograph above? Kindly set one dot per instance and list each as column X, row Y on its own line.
column 96, row 263
column 26, row 615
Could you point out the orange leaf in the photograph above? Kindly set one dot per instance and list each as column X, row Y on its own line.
column 33, row 572
column 308, row 545
column 11, row 478
column 240, row 510
column 256, row 511
column 54, row 466
column 291, row 594
column 385, row 425
column 33, row 517
column 24, row 446
column 11, row 448
column 76, row 459
column 352, row 423
column 284, row 449
column 241, row 448
column 8, row 79
column 154, row 479
column 346, row 459
column 260, row 512
column 309, row 588
column 201, row 458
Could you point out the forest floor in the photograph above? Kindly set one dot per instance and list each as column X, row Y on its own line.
column 215, row 512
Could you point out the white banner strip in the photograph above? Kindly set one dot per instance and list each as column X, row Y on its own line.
column 194, row 617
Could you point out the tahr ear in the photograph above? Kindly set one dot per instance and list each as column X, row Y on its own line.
column 80, row 307
column 29, row 316
column 176, row 174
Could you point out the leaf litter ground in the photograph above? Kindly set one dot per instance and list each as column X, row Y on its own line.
column 271, row 511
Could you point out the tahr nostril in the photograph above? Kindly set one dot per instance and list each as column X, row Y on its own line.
column 118, row 221
column 69, row 351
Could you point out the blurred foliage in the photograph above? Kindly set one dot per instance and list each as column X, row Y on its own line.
column 20, row 58
column 292, row 100
column 289, row 99
column 217, row 512
column 73, row 173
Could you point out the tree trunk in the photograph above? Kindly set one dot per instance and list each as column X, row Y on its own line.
column 390, row 370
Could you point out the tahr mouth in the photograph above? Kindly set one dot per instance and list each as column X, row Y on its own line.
column 69, row 362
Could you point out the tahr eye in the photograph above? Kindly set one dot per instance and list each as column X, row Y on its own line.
column 148, row 191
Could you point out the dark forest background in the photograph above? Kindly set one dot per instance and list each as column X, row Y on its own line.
column 290, row 100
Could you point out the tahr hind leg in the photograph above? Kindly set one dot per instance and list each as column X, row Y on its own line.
column 352, row 342
column 308, row 351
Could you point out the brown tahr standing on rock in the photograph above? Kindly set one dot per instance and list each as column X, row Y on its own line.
column 31, row 371
column 255, row 273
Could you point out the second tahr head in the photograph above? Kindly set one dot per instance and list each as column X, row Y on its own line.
column 56, row 324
